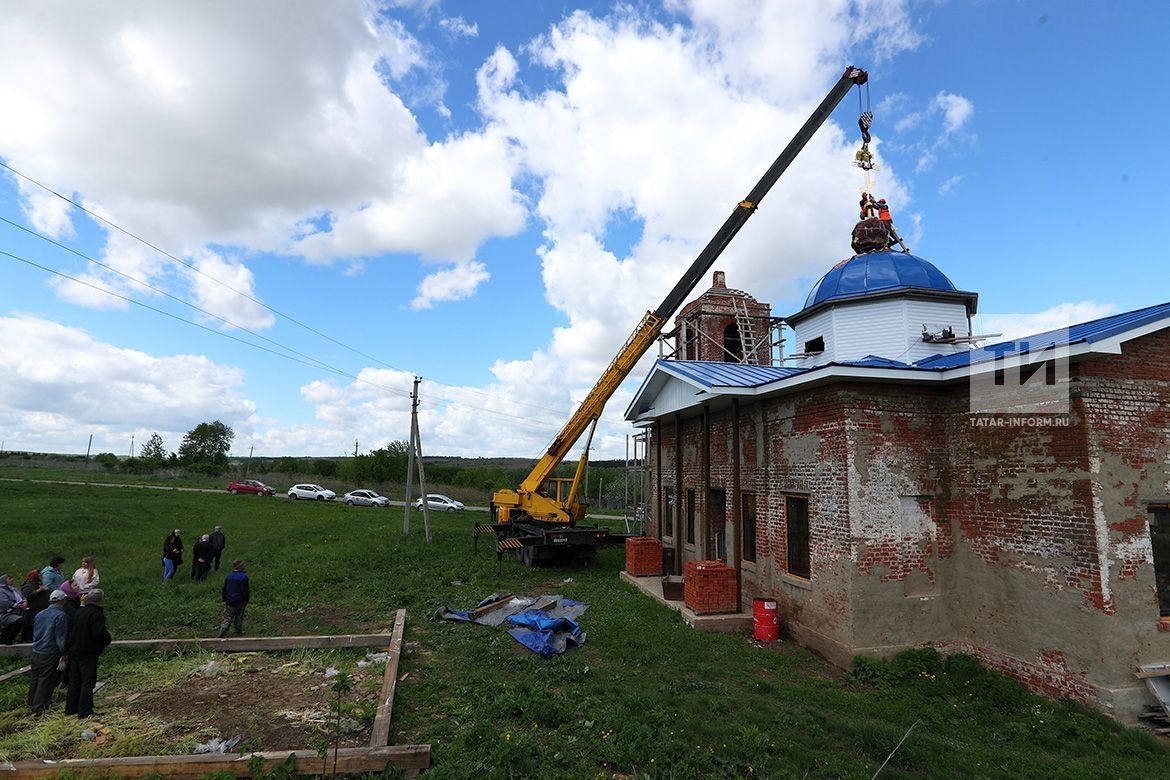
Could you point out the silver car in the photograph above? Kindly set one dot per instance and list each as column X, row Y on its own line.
column 366, row 497
column 311, row 492
column 441, row 503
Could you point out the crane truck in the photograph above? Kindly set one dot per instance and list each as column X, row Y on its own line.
column 542, row 519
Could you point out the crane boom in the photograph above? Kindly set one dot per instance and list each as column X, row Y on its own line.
column 528, row 500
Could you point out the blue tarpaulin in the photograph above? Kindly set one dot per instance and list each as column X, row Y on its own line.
column 547, row 624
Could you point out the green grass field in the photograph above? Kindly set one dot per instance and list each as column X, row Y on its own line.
column 646, row 696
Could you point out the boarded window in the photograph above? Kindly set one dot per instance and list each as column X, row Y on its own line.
column 690, row 517
column 796, row 522
column 749, row 526
column 1160, row 541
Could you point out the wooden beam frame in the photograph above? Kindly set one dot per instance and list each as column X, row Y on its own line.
column 409, row 758
column 234, row 644
column 380, row 732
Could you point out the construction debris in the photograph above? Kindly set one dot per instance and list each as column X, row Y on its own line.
column 547, row 625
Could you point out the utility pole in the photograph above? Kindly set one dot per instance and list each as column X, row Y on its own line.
column 410, row 460
column 248, row 462
column 131, row 455
column 415, row 457
column 355, row 447
column 88, row 447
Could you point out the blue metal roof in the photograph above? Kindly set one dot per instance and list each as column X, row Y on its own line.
column 1092, row 331
column 877, row 272
column 711, row 374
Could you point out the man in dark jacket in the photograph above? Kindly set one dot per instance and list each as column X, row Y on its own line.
column 88, row 639
column 235, row 594
column 201, row 558
column 218, row 545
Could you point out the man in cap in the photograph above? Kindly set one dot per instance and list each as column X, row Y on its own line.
column 50, row 635
column 87, row 641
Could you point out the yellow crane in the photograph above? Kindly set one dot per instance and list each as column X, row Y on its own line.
column 540, row 520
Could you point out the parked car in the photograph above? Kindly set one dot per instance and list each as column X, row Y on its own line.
column 366, row 497
column 441, row 503
column 255, row 487
column 312, row 492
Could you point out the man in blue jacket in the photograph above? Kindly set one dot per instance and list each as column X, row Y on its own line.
column 50, row 634
column 235, row 595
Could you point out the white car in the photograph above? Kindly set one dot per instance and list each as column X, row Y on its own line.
column 440, row 503
column 365, row 497
column 311, row 492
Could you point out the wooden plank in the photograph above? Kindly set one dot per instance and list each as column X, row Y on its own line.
column 234, row 644
column 380, row 733
column 410, row 758
column 15, row 673
column 486, row 608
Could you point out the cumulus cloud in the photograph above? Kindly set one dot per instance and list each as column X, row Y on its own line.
column 956, row 110
column 451, row 284
column 1015, row 325
column 62, row 384
column 223, row 128
column 226, row 288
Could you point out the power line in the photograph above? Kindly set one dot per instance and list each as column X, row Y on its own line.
column 158, row 290
column 316, row 364
column 249, row 297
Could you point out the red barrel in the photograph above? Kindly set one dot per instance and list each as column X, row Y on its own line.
column 765, row 620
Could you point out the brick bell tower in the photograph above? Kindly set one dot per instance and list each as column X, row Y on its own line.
column 725, row 326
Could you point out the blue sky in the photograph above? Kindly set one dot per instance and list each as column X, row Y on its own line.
column 489, row 194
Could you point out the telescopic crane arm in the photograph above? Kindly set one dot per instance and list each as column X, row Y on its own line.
column 565, row 509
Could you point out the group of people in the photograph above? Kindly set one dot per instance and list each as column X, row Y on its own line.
column 235, row 592
column 64, row 620
column 20, row 607
column 207, row 551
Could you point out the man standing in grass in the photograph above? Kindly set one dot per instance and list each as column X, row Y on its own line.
column 50, row 634
column 235, row 594
column 218, row 545
column 87, row 641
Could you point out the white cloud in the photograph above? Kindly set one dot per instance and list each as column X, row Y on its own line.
column 457, row 25
column 956, row 110
column 450, row 284
column 220, row 287
column 1018, row 324
column 61, row 384
column 949, row 185
column 223, row 128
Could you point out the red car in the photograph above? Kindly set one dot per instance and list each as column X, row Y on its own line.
column 250, row 486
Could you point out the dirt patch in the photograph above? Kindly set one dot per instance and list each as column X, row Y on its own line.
column 272, row 703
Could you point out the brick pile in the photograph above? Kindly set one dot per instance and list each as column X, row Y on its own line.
column 708, row 587
column 644, row 556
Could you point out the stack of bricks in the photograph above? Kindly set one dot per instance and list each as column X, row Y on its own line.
column 644, row 556
column 709, row 586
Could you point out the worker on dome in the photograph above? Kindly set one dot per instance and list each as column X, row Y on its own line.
column 875, row 231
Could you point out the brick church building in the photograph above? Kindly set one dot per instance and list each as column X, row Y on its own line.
column 891, row 486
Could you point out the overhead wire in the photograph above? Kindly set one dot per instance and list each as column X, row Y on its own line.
column 315, row 364
column 246, row 295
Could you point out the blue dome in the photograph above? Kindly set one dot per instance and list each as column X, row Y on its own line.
column 877, row 272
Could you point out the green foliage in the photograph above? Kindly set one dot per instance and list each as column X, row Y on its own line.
column 107, row 459
column 205, row 447
column 153, row 453
column 325, row 467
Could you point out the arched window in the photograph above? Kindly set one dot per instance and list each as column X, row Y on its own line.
column 732, row 345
